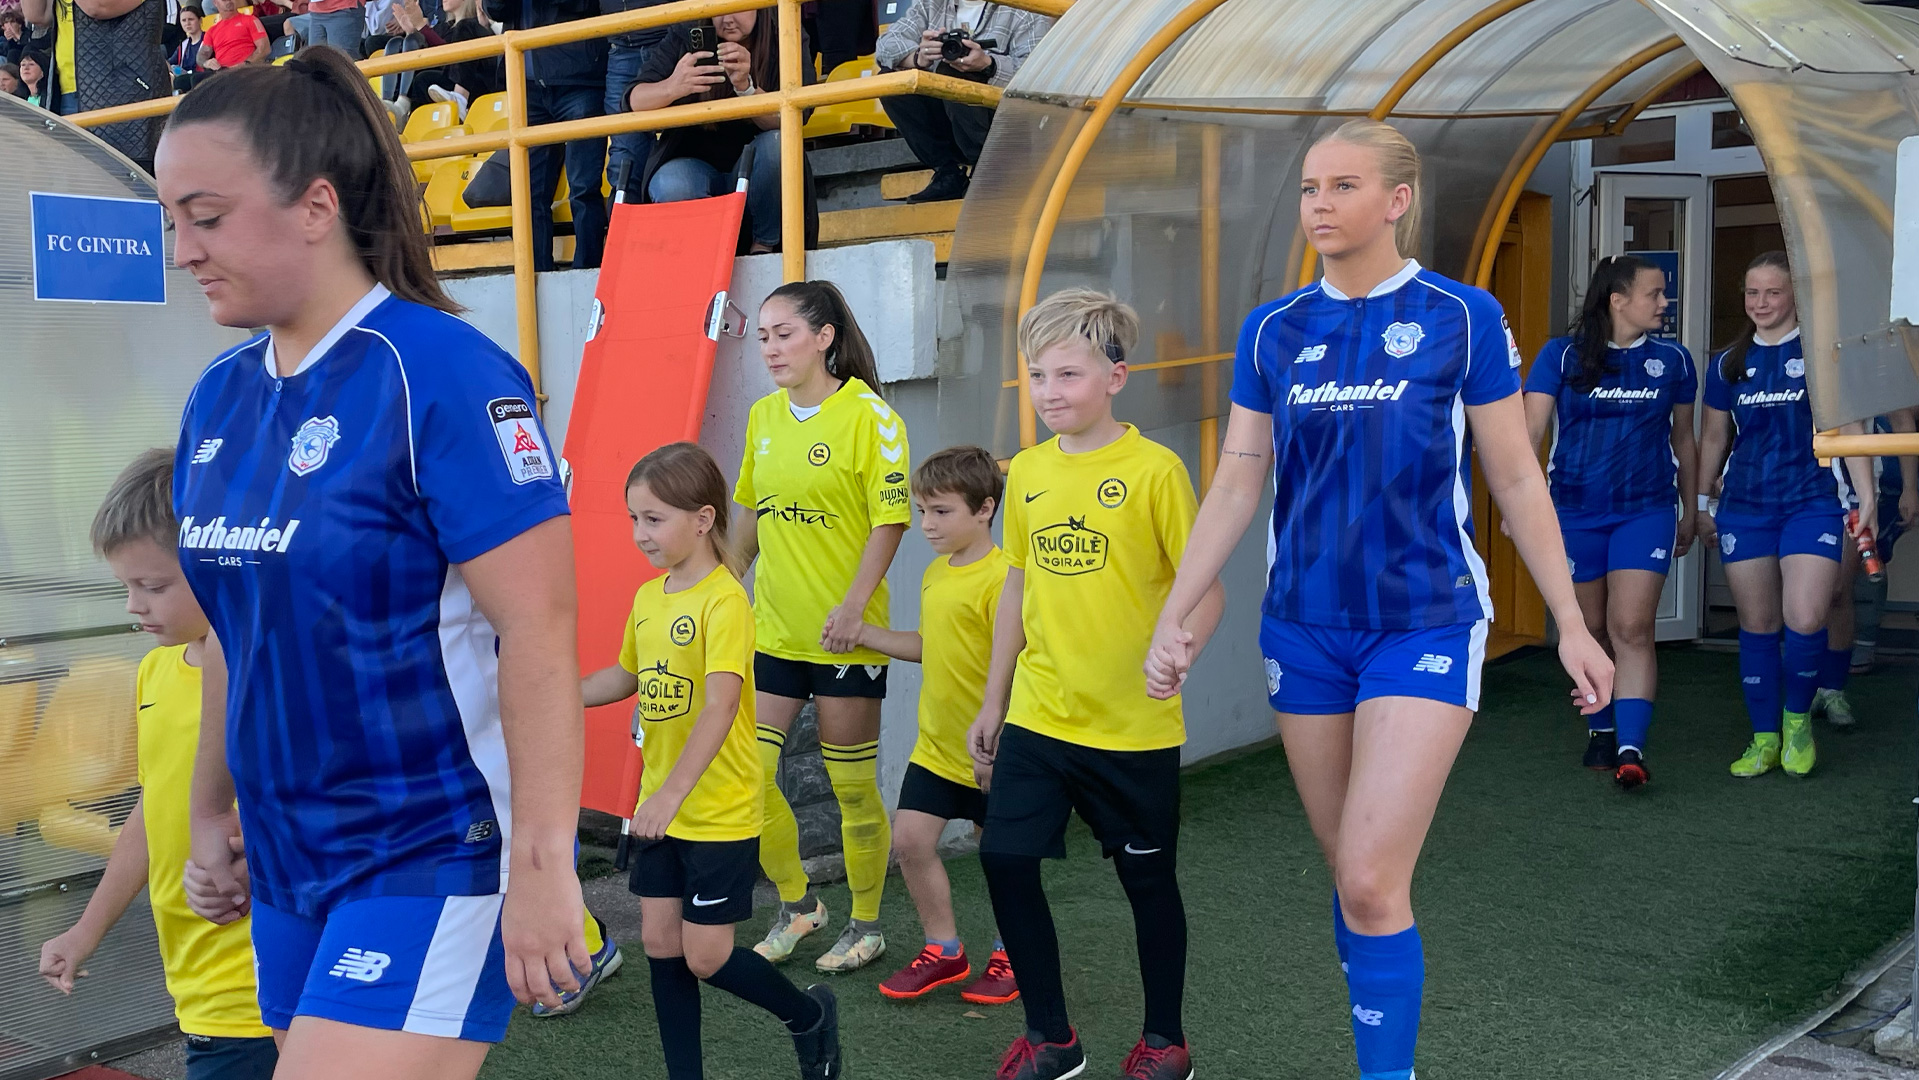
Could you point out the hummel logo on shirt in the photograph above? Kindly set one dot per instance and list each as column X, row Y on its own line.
column 360, row 966
column 1433, row 662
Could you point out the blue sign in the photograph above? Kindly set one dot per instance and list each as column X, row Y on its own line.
column 1668, row 262
column 98, row 250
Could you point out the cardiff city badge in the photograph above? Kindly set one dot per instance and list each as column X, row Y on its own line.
column 312, row 443
column 1402, row 338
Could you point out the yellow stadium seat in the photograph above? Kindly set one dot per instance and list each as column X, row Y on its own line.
column 424, row 168
column 84, row 752
column 430, row 121
column 490, row 218
column 443, row 191
column 841, row 119
column 486, row 113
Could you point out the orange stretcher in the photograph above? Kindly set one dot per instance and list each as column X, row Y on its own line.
column 658, row 311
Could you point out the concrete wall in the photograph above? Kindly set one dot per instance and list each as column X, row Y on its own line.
column 892, row 289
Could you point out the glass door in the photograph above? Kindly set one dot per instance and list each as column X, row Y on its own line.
column 1668, row 220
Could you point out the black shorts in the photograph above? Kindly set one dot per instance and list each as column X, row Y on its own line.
column 1130, row 798
column 930, row 793
column 802, row 679
column 713, row 879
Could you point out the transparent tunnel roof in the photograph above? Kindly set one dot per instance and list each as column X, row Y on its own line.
column 1186, row 205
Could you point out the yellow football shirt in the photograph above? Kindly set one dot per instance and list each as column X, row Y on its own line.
column 957, row 608
column 673, row 642
column 209, row 968
column 819, row 487
column 1099, row 536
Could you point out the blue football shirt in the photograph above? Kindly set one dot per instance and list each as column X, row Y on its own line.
column 1372, row 510
column 1772, row 471
column 323, row 516
column 1612, row 455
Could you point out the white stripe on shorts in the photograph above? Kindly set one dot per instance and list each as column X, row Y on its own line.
column 451, row 972
column 1475, row 660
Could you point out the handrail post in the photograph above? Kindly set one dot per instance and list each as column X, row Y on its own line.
column 1209, row 191
column 792, row 147
column 519, row 168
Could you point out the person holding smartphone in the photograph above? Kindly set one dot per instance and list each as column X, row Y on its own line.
column 733, row 55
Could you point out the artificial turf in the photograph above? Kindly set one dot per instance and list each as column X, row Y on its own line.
column 1571, row 930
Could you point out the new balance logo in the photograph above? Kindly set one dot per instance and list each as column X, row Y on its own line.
column 1433, row 662
column 206, row 451
column 1369, row 1017
column 1828, row 538
column 360, row 966
column 1310, row 353
column 1658, row 553
column 480, row 830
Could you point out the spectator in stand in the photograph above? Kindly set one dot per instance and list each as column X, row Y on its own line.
column 10, row 83
column 947, row 135
column 625, row 56
column 13, row 36
column 104, row 53
column 701, row 162
column 33, row 78
column 276, row 15
column 462, row 82
column 236, row 38
column 842, row 30
column 185, row 60
column 339, row 23
column 564, row 82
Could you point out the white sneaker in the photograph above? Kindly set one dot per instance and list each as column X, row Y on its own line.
column 458, row 99
column 856, row 948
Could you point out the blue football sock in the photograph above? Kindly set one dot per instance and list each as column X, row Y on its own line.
column 948, row 947
column 1635, row 719
column 1805, row 656
column 1341, row 935
column 1835, row 669
column 1759, row 676
column 1385, row 976
column 1601, row 720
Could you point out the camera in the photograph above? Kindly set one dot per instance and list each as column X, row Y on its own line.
column 953, row 45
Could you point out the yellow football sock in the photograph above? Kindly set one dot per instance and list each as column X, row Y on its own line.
column 594, row 942
column 780, row 834
column 865, row 835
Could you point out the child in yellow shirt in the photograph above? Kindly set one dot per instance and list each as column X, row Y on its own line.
column 209, row 968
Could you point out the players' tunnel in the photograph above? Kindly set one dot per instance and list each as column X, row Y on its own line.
column 1152, row 148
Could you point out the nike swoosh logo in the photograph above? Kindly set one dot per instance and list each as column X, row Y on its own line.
column 699, row 901
column 1036, row 495
column 149, row 705
column 1131, row 850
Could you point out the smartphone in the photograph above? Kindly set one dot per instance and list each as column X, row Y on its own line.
column 704, row 40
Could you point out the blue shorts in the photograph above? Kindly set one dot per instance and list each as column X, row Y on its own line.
column 1643, row 542
column 431, row 965
column 1323, row 670
column 1812, row 530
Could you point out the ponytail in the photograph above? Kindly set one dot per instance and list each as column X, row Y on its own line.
column 315, row 117
column 822, row 304
column 1614, row 276
column 1732, row 362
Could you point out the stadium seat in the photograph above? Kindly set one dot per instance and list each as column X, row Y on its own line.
column 431, row 121
column 84, row 753
column 830, row 120
column 444, row 189
column 424, row 168
column 492, row 218
column 486, row 113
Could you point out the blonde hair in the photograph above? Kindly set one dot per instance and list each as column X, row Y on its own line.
column 684, row 476
column 1097, row 318
column 139, row 506
column 1398, row 164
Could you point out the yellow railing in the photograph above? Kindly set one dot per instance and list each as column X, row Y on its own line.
column 788, row 102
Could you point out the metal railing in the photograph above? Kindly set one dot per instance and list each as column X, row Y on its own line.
column 517, row 137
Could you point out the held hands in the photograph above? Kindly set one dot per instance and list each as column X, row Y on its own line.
column 1590, row 667
column 216, row 874
column 691, row 77
column 543, row 927
column 1908, row 506
column 654, row 815
column 844, row 625
column 737, row 63
column 1705, row 529
column 1682, row 543
column 1167, row 661
column 982, row 741
column 64, row 958
column 1868, row 516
